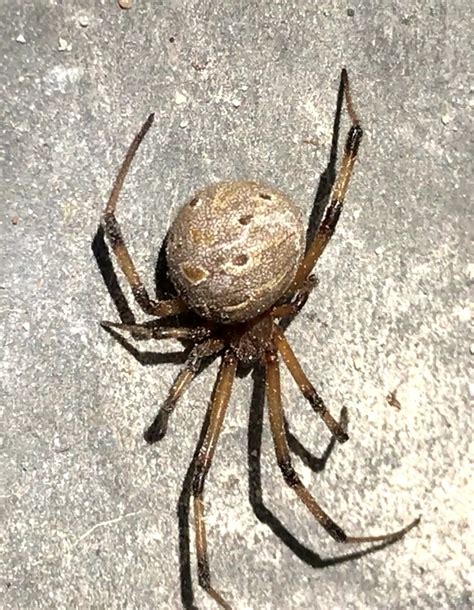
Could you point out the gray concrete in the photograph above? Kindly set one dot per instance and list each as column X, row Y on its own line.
column 90, row 508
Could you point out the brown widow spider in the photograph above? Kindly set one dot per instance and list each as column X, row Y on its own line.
column 236, row 256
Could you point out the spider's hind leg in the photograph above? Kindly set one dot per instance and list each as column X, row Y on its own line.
column 277, row 424
column 217, row 410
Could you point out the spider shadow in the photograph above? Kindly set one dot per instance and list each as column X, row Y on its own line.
column 328, row 177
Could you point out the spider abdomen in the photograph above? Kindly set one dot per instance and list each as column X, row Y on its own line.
column 233, row 250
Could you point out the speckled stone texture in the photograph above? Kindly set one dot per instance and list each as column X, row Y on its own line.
column 91, row 516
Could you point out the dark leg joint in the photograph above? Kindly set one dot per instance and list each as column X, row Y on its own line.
column 319, row 407
column 199, row 478
column 204, row 575
column 112, row 229
column 289, row 474
column 335, row 532
column 341, row 437
column 353, row 140
column 141, row 295
column 158, row 428
column 302, row 296
column 315, row 401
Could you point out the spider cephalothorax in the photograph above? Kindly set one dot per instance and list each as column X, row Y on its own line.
column 236, row 257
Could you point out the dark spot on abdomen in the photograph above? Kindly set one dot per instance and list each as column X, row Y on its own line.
column 240, row 259
column 244, row 220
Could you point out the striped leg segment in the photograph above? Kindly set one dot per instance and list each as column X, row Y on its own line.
column 307, row 389
column 217, row 410
column 334, row 208
column 117, row 242
column 149, row 331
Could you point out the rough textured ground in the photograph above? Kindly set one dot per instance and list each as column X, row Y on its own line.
column 90, row 514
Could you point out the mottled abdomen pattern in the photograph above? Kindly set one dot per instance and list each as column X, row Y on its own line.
column 233, row 250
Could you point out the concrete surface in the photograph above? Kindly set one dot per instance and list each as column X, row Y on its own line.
column 90, row 516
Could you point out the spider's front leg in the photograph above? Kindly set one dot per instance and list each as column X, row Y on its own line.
column 333, row 210
column 117, row 242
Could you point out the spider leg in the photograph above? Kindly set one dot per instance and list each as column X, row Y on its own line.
column 299, row 300
column 306, row 387
column 277, row 424
column 147, row 331
column 334, row 208
column 217, row 410
column 158, row 428
column 117, row 243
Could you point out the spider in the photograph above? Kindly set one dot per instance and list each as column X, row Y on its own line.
column 236, row 257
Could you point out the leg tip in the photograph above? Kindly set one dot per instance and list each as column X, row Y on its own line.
column 157, row 430
column 152, row 436
column 106, row 325
column 342, row 437
column 415, row 523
